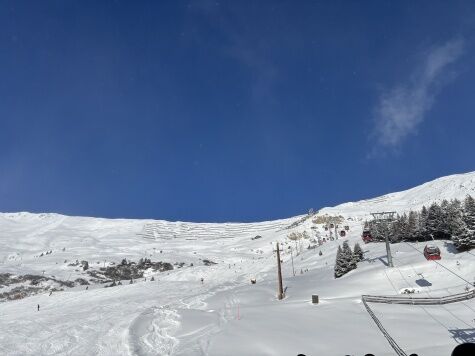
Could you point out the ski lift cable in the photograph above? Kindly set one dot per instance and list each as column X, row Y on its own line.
column 435, row 319
column 464, row 303
column 443, row 306
column 389, row 279
column 429, row 294
column 440, row 264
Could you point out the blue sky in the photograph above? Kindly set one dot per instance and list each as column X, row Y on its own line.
column 229, row 110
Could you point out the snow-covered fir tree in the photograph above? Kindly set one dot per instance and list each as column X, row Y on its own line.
column 459, row 231
column 433, row 222
column 347, row 256
column 412, row 224
column 464, row 239
column 358, row 253
column 340, row 268
column 345, row 261
column 452, row 216
column 421, row 232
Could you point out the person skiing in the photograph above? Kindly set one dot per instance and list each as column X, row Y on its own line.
column 38, row 307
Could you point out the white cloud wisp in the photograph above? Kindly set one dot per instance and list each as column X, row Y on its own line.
column 401, row 109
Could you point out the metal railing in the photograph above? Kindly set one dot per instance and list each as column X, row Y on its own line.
column 420, row 300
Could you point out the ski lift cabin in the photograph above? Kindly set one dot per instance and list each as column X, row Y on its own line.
column 432, row 252
column 347, row 227
column 366, row 236
column 342, row 233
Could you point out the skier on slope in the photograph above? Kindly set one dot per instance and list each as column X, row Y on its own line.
column 38, row 307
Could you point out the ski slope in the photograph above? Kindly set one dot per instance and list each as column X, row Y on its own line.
column 177, row 314
column 449, row 187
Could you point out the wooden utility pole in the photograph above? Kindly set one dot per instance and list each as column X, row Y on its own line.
column 280, row 295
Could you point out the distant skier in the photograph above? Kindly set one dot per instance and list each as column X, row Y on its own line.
column 38, row 307
column 202, row 280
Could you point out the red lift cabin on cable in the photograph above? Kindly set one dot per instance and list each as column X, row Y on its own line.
column 432, row 252
column 366, row 236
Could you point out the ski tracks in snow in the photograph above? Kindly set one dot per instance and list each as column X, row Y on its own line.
column 151, row 333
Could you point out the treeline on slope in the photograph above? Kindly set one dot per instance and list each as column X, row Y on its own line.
column 346, row 259
column 454, row 220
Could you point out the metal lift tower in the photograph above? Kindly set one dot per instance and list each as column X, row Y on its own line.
column 385, row 217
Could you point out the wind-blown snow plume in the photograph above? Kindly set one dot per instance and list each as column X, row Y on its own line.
column 401, row 109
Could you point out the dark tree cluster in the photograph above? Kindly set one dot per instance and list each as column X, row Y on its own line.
column 450, row 220
column 346, row 260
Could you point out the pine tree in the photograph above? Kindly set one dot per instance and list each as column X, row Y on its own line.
column 412, row 223
column 421, row 233
column 459, row 232
column 464, row 238
column 340, row 269
column 398, row 229
column 433, row 221
column 358, row 253
column 452, row 216
column 395, row 230
column 347, row 256
column 444, row 224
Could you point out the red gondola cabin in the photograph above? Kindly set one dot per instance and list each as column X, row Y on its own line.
column 367, row 236
column 432, row 252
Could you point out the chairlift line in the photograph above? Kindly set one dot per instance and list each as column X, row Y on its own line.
column 440, row 264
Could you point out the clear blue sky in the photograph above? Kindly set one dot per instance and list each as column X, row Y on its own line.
column 230, row 110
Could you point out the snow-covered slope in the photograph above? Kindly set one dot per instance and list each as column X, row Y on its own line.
column 450, row 187
column 223, row 314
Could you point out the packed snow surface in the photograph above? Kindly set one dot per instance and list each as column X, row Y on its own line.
column 207, row 305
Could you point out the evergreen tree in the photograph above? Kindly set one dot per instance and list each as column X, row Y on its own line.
column 421, row 233
column 358, row 253
column 398, row 229
column 460, row 233
column 404, row 227
column 347, row 256
column 444, row 224
column 340, row 269
column 433, row 222
column 412, row 224
column 464, row 238
column 395, row 230
column 452, row 216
